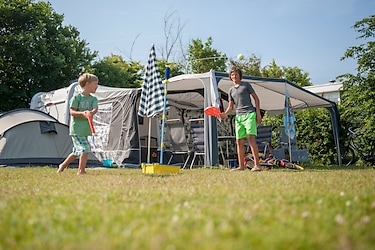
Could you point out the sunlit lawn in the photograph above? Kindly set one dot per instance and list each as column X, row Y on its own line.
column 196, row 209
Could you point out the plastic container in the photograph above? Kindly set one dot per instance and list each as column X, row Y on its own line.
column 155, row 168
column 107, row 163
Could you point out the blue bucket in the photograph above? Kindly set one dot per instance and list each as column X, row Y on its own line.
column 107, row 163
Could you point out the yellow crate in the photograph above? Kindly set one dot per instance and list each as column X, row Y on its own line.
column 156, row 168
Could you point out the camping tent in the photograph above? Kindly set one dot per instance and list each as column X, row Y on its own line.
column 31, row 137
column 186, row 93
column 116, row 122
column 189, row 91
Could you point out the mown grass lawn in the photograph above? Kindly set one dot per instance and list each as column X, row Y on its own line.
column 197, row 209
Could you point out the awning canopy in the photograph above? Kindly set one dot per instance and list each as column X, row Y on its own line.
column 188, row 91
column 271, row 92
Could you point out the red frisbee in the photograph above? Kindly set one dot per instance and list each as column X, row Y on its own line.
column 212, row 111
column 89, row 117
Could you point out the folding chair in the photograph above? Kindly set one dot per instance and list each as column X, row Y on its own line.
column 264, row 140
column 298, row 155
column 284, row 139
column 177, row 137
column 197, row 137
column 278, row 153
column 301, row 155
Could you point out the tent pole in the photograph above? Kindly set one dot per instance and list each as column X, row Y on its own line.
column 149, row 140
column 290, row 149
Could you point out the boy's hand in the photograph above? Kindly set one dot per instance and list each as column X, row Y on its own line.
column 87, row 114
column 223, row 115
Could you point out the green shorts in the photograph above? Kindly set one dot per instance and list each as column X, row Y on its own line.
column 246, row 125
column 80, row 145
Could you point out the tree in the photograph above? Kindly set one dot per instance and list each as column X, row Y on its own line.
column 172, row 34
column 272, row 70
column 115, row 72
column 252, row 66
column 314, row 131
column 296, row 76
column 175, row 68
column 357, row 106
column 38, row 53
column 202, row 57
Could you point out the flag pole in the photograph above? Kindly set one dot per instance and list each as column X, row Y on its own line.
column 164, row 117
column 290, row 149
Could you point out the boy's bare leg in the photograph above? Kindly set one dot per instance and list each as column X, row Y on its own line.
column 82, row 163
column 66, row 162
column 240, row 154
column 254, row 151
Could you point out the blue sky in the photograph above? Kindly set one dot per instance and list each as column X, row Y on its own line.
column 310, row 34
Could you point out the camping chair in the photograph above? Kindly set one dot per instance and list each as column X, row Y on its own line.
column 284, row 140
column 177, row 136
column 298, row 155
column 264, row 139
column 197, row 137
column 301, row 155
column 278, row 153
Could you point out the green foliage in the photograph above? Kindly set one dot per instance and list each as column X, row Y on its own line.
column 292, row 74
column 202, row 57
column 200, row 209
column 175, row 68
column 357, row 106
column 38, row 52
column 364, row 53
column 272, row 71
column 358, row 103
column 296, row 76
column 314, row 131
column 251, row 66
column 113, row 71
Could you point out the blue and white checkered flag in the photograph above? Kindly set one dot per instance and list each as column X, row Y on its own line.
column 152, row 96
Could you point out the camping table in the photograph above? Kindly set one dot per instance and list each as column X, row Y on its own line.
column 226, row 138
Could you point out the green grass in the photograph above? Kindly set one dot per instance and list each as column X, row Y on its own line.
column 196, row 209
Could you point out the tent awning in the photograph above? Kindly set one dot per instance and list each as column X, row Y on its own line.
column 271, row 92
column 189, row 88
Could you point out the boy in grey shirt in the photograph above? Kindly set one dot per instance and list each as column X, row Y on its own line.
column 247, row 117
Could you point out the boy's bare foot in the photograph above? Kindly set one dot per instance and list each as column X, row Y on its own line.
column 81, row 172
column 61, row 168
column 237, row 169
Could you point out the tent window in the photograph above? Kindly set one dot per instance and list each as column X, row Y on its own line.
column 47, row 127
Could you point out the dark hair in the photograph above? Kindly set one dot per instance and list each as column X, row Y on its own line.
column 234, row 69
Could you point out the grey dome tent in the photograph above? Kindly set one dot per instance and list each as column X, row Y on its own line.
column 32, row 137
